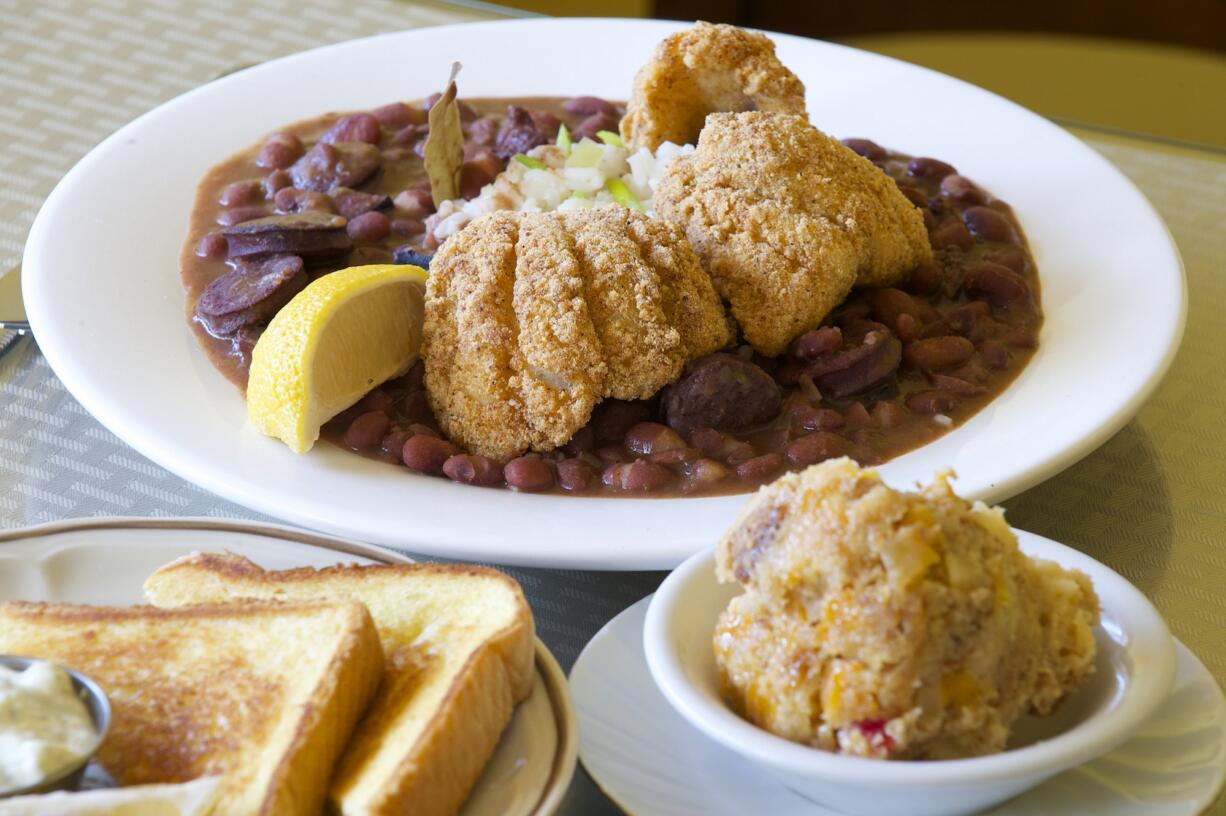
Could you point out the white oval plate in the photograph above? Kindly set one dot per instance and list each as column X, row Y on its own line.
column 103, row 293
column 649, row 760
column 106, row 561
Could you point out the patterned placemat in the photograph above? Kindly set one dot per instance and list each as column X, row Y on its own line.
column 1151, row 502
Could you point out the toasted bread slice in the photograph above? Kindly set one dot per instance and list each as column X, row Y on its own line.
column 265, row 695
column 459, row 642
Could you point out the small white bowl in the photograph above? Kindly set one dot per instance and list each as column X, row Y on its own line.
column 1134, row 673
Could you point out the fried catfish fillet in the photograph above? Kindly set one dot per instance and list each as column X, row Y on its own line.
column 787, row 220
column 532, row 318
column 702, row 70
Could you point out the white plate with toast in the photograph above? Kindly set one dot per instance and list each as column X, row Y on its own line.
column 106, row 562
column 107, row 306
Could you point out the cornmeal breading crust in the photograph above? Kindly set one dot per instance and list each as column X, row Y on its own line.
column 787, row 219
column 701, row 70
column 532, row 318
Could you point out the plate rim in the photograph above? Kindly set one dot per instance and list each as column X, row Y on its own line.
column 471, row 545
column 566, row 751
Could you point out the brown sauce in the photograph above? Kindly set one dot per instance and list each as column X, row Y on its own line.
column 966, row 327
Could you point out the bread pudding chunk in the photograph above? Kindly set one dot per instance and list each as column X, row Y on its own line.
column 879, row 623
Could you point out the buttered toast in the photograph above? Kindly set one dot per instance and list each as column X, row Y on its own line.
column 264, row 695
column 459, row 642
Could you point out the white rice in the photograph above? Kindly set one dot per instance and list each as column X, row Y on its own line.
column 566, row 182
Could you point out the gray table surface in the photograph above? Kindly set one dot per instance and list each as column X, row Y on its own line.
column 1149, row 503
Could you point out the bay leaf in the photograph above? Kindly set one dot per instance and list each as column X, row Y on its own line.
column 444, row 148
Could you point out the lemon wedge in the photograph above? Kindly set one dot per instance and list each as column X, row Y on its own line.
column 337, row 339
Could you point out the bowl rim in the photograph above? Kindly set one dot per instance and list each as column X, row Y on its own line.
column 98, row 706
column 1128, row 618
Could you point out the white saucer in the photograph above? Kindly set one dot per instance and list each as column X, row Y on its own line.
column 650, row 761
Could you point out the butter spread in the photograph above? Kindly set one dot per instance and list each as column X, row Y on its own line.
column 44, row 725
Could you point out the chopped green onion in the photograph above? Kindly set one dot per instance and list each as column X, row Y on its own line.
column 579, row 194
column 564, row 139
column 585, row 154
column 610, row 138
column 528, row 161
column 622, row 195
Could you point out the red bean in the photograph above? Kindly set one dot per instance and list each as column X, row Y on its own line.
column 369, row 227
column 857, row 415
column 212, row 245
column 414, row 203
column 367, row 430
column 472, row 469
column 736, row 452
column 990, row 225
column 888, row 414
column 962, row 189
column 529, row 474
column 813, row 344
column 1012, row 257
column 611, row 454
column 888, row 304
column 293, row 200
column 915, row 195
column 406, row 136
column 999, row 284
column 759, row 468
column 575, row 475
column 951, row 233
column 238, row 215
column 707, row 440
column 816, row 447
column 652, row 437
column 241, row 193
column 994, row 354
column 583, row 441
column 926, row 279
column 938, row 352
column 589, row 105
column 1020, row 338
column 376, row 400
column 907, row 328
column 675, row 456
column 932, row 402
column 866, row 148
column 595, row 123
column 965, row 317
column 956, row 385
column 972, row 372
column 395, row 115
column 638, row 476
column 425, row 430
column 427, row 454
column 275, row 181
column 926, row 167
column 280, row 151
column 415, row 407
column 703, row 473
column 808, row 417
column 407, row 226
column 393, row 444
column 357, row 127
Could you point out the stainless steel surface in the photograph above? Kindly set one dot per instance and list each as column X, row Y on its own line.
column 12, row 308
column 99, row 708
